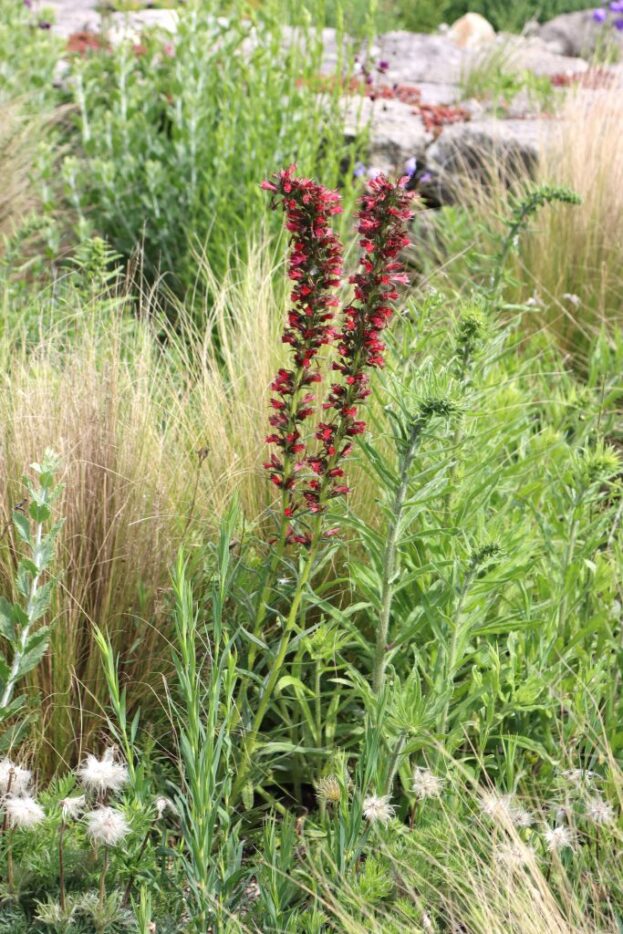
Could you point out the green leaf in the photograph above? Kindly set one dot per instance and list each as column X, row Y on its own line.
column 39, row 512
column 35, row 650
column 22, row 525
column 7, row 629
column 40, row 601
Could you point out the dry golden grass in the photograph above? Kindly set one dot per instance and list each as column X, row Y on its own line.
column 571, row 258
column 579, row 252
column 154, row 442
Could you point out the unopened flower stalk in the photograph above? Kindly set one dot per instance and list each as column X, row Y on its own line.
column 388, row 584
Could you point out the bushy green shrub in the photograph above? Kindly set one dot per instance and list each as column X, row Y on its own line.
column 176, row 136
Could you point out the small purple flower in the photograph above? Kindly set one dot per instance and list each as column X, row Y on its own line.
column 425, row 178
column 599, row 15
column 618, row 24
column 383, row 65
column 411, row 166
column 616, row 6
column 28, row 4
column 359, row 169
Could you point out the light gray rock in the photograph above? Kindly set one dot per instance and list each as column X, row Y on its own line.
column 435, row 94
column 70, row 17
column 122, row 26
column 396, row 133
column 578, row 34
column 508, row 146
column 415, row 58
column 519, row 54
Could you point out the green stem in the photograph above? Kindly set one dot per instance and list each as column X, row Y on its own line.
column 61, row 866
column 390, row 558
column 102, row 885
column 250, row 742
column 23, row 638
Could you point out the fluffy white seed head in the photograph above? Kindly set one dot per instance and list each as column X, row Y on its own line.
column 71, row 808
column 426, row 784
column 512, row 855
column 107, row 826
column 23, row 813
column 162, row 805
column 13, row 779
column 105, row 774
column 599, row 811
column 579, row 777
column 378, row 809
column 503, row 809
column 559, row 838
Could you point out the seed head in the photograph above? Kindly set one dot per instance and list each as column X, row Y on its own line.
column 71, row 808
column 512, row 855
column 426, row 784
column 107, row 826
column 162, row 805
column 378, row 809
column 559, row 838
column 579, row 777
column 13, row 779
column 100, row 775
column 599, row 811
column 23, row 813
column 328, row 789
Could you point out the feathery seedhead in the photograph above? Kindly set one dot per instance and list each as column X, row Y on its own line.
column 426, row 784
column 377, row 809
column 599, row 811
column 23, row 813
column 13, row 779
column 71, row 808
column 106, row 826
column 559, row 838
column 105, row 774
column 328, row 789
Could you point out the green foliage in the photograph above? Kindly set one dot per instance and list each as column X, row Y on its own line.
column 426, row 15
column 175, row 142
column 493, row 79
column 28, row 56
column 21, row 627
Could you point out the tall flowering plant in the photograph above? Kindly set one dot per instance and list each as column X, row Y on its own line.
column 313, row 438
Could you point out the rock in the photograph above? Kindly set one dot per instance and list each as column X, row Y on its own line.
column 578, row 34
column 68, row 18
column 436, row 94
column 520, row 54
column 506, row 147
column 396, row 133
column 122, row 26
column 415, row 58
column 471, row 31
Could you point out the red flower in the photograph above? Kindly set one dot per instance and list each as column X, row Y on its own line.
column 315, row 265
column 384, row 212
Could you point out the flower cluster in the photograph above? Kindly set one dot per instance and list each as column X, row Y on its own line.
column 600, row 15
column 384, row 212
column 315, row 267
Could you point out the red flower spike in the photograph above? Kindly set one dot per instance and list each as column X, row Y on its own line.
column 315, row 265
column 384, row 212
